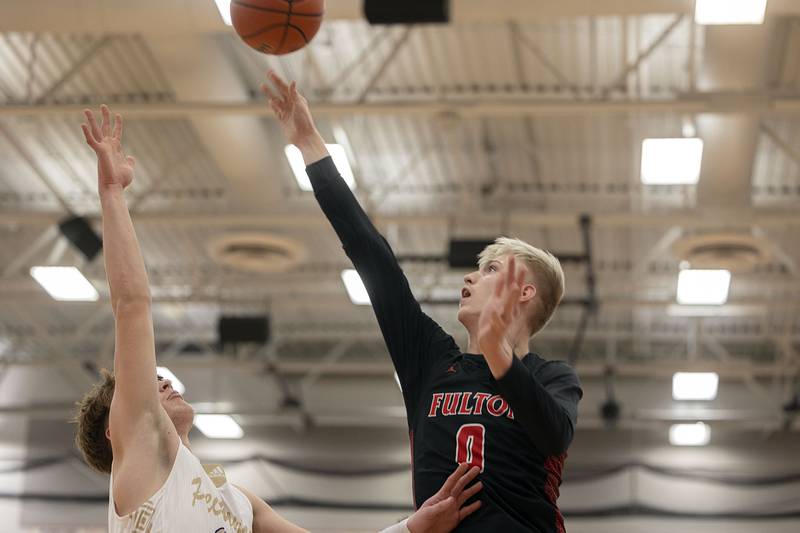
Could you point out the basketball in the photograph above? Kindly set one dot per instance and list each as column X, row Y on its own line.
column 277, row 26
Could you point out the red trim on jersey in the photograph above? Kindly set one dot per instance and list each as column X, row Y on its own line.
column 554, row 465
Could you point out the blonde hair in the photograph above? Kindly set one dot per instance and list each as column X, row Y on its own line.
column 92, row 421
column 547, row 275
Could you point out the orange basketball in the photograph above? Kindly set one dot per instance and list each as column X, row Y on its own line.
column 277, row 26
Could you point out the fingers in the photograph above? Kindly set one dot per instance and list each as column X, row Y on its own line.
column 470, row 492
column 276, row 108
column 279, row 83
column 275, row 102
column 464, row 480
column 500, row 286
column 453, row 479
column 443, row 505
column 105, row 127
column 511, row 271
column 90, row 140
column 95, row 129
column 268, row 92
column 468, row 510
column 118, row 126
column 131, row 161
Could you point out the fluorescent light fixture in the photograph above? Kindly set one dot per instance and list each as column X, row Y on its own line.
column 697, row 434
column 729, row 11
column 65, row 283
column 224, row 7
column 299, row 167
column 218, row 426
column 355, row 287
column 728, row 310
column 694, row 385
column 165, row 373
column 671, row 161
column 703, row 287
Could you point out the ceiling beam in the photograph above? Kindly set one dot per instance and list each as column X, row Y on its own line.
column 724, row 102
column 734, row 58
column 688, row 218
column 376, row 367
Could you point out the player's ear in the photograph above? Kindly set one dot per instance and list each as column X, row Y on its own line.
column 528, row 292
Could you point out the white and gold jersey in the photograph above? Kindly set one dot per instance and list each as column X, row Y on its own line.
column 195, row 497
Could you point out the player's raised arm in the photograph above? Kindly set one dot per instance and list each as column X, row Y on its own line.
column 406, row 330
column 265, row 519
column 136, row 399
column 545, row 404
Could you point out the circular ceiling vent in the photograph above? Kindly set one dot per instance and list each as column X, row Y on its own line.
column 256, row 252
column 736, row 252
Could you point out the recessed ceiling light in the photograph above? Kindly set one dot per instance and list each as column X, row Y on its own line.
column 697, row 434
column 695, row 385
column 339, row 156
column 674, row 161
column 355, row 287
column 218, row 426
column 703, row 287
column 65, row 283
column 713, row 12
column 224, row 7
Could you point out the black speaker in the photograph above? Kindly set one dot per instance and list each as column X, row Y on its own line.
column 463, row 253
column 407, row 11
column 78, row 232
column 237, row 329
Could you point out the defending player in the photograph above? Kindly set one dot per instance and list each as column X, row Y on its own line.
column 134, row 426
column 497, row 406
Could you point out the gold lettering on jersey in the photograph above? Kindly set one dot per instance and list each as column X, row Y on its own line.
column 217, row 506
column 141, row 518
column 217, row 474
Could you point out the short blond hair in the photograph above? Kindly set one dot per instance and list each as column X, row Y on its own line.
column 547, row 275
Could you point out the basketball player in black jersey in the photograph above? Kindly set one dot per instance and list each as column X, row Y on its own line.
column 496, row 406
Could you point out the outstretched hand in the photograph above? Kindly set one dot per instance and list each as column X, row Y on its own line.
column 290, row 108
column 443, row 511
column 502, row 310
column 114, row 168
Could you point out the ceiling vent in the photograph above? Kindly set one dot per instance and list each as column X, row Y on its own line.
column 737, row 252
column 256, row 252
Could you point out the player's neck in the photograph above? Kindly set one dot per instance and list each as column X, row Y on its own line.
column 183, row 434
column 520, row 341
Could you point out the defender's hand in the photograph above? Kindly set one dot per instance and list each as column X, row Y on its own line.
column 114, row 168
column 443, row 511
